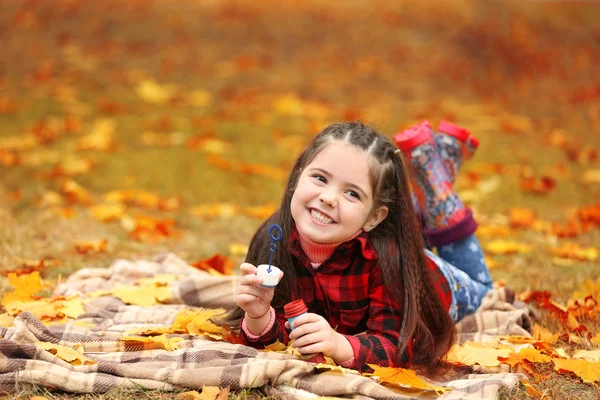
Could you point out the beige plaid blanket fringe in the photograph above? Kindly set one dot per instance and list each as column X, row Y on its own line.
column 200, row 361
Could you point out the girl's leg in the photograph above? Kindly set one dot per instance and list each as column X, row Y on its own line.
column 455, row 145
column 467, row 293
column 467, row 255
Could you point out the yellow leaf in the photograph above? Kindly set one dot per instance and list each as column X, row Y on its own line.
column 468, row 355
column 404, row 377
column 543, row 334
column 191, row 395
column 576, row 252
column 152, row 92
column 210, row 392
column 276, row 347
column 335, row 369
column 6, row 320
column 100, row 137
column 140, row 295
column 533, row 355
column 201, row 322
column 107, row 212
column 591, row 176
column 158, row 280
column 531, row 390
column 71, row 308
column 65, row 353
column 25, row 287
column 166, row 342
column 590, row 355
column 199, row 98
column 238, row 249
column 507, row 247
column 596, row 339
column 588, row 371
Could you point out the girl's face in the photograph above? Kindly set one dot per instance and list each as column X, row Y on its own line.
column 334, row 198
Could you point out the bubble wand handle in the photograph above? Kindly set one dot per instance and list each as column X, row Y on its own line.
column 275, row 233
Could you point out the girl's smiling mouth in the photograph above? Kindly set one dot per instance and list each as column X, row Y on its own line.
column 321, row 217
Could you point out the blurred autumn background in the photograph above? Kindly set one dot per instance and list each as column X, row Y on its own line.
column 131, row 128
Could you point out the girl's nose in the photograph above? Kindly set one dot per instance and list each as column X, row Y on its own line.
column 328, row 198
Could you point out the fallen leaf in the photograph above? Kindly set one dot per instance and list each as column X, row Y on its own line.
column 576, row 252
column 590, row 355
column 6, row 320
column 90, row 246
column 588, row 371
column 404, row 378
column 165, row 342
column 335, row 369
column 522, row 217
column 65, row 353
column 499, row 246
column 468, row 355
column 217, row 262
column 25, row 287
column 210, row 392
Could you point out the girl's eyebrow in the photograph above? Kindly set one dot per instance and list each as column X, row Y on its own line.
column 349, row 184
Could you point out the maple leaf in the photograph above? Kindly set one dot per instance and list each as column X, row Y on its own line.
column 201, row 322
column 107, row 212
column 334, row 369
column 588, row 371
column 404, row 378
column 65, row 353
column 140, row 295
column 276, row 347
column 590, row 355
column 521, row 217
column 220, row 263
column 574, row 251
column 153, row 92
column 25, row 287
column 469, row 355
column 163, row 341
column 6, row 320
column 543, row 334
column 75, row 193
column 507, row 247
column 90, row 246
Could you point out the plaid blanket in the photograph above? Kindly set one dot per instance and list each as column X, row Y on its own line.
column 197, row 360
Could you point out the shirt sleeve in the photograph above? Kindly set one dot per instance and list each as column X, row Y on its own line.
column 378, row 345
column 274, row 331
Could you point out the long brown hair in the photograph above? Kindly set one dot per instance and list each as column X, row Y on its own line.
column 397, row 240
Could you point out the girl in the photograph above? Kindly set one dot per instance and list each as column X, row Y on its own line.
column 353, row 251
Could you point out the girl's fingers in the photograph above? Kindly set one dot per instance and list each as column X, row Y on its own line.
column 250, row 280
column 307, row 340
column 247, row 268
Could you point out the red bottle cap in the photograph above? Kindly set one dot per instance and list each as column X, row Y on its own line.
column 453, row 130
column 295, row 308
column 410, row 138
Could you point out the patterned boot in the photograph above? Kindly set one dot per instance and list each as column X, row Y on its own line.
column 446, row 218
column 455, row 145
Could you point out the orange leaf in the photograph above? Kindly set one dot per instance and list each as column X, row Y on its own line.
column 91, row 246
column 541, row 185
column 218, row 262
column 521, row 217
column 576, row 252
column 75, row 193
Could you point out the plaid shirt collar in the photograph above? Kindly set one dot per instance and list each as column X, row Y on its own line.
column 362, row 240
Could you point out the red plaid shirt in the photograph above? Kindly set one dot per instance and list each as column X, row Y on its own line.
column 347, row 290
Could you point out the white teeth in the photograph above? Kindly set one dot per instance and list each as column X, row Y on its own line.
column 320, row 217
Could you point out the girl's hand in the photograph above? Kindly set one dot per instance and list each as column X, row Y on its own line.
column 313, row 334
column 249, row 295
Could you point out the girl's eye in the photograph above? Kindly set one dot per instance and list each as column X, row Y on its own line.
column 353, row 194
column 320, row 178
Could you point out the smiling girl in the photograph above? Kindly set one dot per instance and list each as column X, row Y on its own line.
column 353, row 251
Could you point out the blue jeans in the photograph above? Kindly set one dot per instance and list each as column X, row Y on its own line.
column 463, row 265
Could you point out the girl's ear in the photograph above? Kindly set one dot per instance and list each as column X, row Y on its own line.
column 375, row 218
